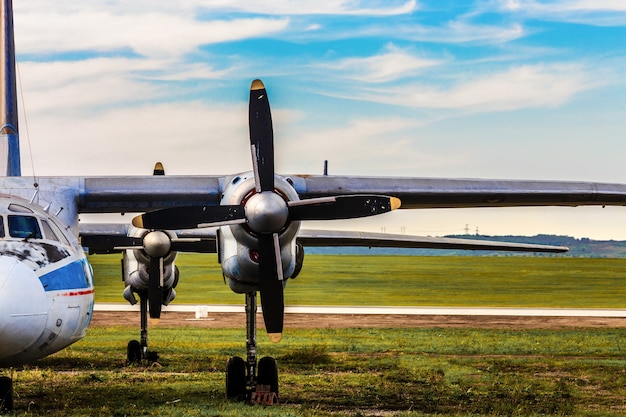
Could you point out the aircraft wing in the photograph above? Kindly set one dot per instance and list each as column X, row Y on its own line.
column 103, row 238
column 145, row 193
column 415, row 193
column 325, row 238
column 127, row 194
column 109, row 238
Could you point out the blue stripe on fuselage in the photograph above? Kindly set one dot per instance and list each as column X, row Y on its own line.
column 68, row 277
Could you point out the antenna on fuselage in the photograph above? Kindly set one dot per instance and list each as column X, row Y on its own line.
column 32, row 199
column 10, row 164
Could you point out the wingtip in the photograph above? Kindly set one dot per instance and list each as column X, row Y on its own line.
column 275, row 337
column 257, row 85
column 395, row 203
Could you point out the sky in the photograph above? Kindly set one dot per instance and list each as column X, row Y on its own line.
column 511, row 89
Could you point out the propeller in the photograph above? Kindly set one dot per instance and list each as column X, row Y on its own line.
column 266, row 212
column 156, row 245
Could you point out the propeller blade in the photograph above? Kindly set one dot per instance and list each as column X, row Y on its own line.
column 155, row 286
column 271, row 285
column 261, row 137
column 194, row 245
column 341, row 207
column 190, row 217
column 110, row 243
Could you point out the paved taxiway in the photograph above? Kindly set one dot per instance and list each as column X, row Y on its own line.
column 424, row 311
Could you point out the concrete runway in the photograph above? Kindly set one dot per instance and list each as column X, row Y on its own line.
column 423, row 311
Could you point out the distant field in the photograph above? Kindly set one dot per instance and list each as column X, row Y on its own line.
column 406, row 280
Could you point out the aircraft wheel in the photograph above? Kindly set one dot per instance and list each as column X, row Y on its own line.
column 133, row 352
column 268, row 373
column 6, row 394
column 236, row 379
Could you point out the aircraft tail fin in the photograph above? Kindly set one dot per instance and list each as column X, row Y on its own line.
column 9, row 138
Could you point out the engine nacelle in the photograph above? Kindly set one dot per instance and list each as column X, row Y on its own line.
column 239, row 243
column 135, row 268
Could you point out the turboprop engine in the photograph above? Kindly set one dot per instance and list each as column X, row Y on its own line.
column 151, row 270
column 239, row 243
column 259, row 217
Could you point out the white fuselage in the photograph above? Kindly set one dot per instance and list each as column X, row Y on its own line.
column 46, row 284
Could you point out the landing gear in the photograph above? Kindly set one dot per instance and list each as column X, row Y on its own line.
column 6, row 394
column 268, row 374
column 137, row 351
column 243, row 380
column 236, row 379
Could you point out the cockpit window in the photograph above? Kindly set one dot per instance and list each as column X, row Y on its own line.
column 58, row 233
column 18, row 208
column 24, row 227
column 1, row 226
column 47, row 231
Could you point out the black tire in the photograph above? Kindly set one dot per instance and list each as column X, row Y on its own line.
column 133, row 352
column 268, row 373
column 6, row 394
column 236, row 379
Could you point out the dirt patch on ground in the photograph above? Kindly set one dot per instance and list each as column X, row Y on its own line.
column 230, row 320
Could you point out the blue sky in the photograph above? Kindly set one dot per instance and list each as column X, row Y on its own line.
column 468, row 89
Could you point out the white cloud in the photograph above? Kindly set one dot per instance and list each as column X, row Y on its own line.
column 148, row 34
column 362, row 146
column 591, row 12
column 454, row 31
column 301, row 7
column 86, row 85
column 189, row 138
column 394, row 63
column 565, row 5
column 518, row 87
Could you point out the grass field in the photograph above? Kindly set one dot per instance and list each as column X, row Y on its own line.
column 357, row 372
column 347, row 372
column 405, row 280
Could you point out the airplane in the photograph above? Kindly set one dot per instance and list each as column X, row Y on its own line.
column 251, row 220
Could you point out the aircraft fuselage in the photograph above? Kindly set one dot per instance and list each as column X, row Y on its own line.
column 46, row 283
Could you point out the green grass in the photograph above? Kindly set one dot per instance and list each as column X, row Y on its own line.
column 357, row 372
column 340, row 372
column 405, row 280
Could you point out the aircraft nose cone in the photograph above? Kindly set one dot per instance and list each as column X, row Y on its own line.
column 23, row 309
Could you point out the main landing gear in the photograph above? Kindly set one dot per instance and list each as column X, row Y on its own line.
column 245, row 380
column 6, row 394
column 137, row 350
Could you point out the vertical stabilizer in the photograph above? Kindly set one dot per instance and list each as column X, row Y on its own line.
column 9, row 139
